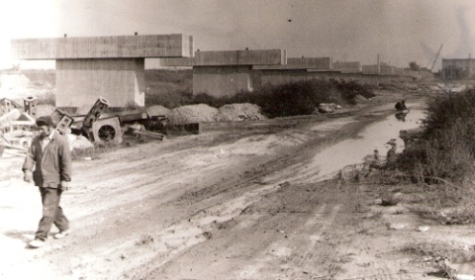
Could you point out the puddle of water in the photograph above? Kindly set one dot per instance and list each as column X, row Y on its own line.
column 373, row 137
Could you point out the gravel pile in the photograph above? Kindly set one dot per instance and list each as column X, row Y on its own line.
column 200, row 113
column 239, row 112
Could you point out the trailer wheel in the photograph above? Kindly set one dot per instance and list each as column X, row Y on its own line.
column 106, row 133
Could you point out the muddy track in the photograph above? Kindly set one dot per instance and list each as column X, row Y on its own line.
column 216, row 206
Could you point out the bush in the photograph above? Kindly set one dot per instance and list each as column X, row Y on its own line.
column 349, row 91
column 170, row 100
column 446, row 150
column 297, row 98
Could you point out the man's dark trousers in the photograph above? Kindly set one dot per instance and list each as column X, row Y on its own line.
column 52, row 212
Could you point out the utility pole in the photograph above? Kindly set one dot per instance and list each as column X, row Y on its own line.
column 378, row 66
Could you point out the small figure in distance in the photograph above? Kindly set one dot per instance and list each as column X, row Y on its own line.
column 377, row 163
column 401, row 106
column 391, row 156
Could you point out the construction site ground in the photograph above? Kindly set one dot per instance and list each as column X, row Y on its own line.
column 238, row 201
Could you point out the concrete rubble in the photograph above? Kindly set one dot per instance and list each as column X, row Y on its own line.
column 328, row 107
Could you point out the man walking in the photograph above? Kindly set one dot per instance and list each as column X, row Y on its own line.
column 48, row 164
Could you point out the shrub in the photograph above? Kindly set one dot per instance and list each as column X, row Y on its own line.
column 296, row 98
column 446, row 150
column 349, row 91
column 171, row 99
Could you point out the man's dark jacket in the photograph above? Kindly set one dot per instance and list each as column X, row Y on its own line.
column 53, row 165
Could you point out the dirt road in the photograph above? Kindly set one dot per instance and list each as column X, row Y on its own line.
column 243, row 201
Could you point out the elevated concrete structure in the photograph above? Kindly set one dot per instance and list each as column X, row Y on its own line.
column 311, row 62
column 110, row 67
column 150, row 46
column 229, row 58
column 324, row 63
column 234, row 58
column 347, row 66
column 221, row 73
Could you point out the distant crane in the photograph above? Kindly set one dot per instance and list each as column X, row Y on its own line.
column 437, row 56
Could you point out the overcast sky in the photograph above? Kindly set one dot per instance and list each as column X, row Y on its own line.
column 347, row 30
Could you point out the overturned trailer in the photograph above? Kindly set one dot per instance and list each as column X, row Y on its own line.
column 104, row 127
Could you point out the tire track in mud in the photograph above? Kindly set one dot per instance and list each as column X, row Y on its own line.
column 265, row 255
column 170, row 241
column 211, row 192
column 301, row 254
column 168, row 205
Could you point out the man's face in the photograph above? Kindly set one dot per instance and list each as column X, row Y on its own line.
column 45, row 130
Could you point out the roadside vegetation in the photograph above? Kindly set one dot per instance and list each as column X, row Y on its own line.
column 441, row 160
column 298, row 98
column 445, row 150
column 173, row 89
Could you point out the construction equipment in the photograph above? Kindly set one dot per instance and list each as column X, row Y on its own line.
column 62, row 121
column 107, row 131
column 436, row 57
column 92, row 116
column 30, row 106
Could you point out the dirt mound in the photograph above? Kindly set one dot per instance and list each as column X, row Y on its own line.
column 239, row 112
column 157, row 110
column 199, row 113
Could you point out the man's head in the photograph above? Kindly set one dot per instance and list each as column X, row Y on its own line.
column 45, row 124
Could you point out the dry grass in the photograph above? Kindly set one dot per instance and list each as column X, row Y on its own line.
column 446, row 149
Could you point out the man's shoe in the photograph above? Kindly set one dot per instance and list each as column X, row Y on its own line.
column 36, row 243
column 62, row 233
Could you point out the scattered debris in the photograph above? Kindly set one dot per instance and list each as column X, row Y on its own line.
column 157, row 110
column 144, row 240
column 463, row 277
column 396, row 226
column 327, row 107
column 155, row 135
column 390, row 199
column 423, row 228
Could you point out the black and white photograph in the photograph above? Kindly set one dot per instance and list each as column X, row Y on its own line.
column 237, row 139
